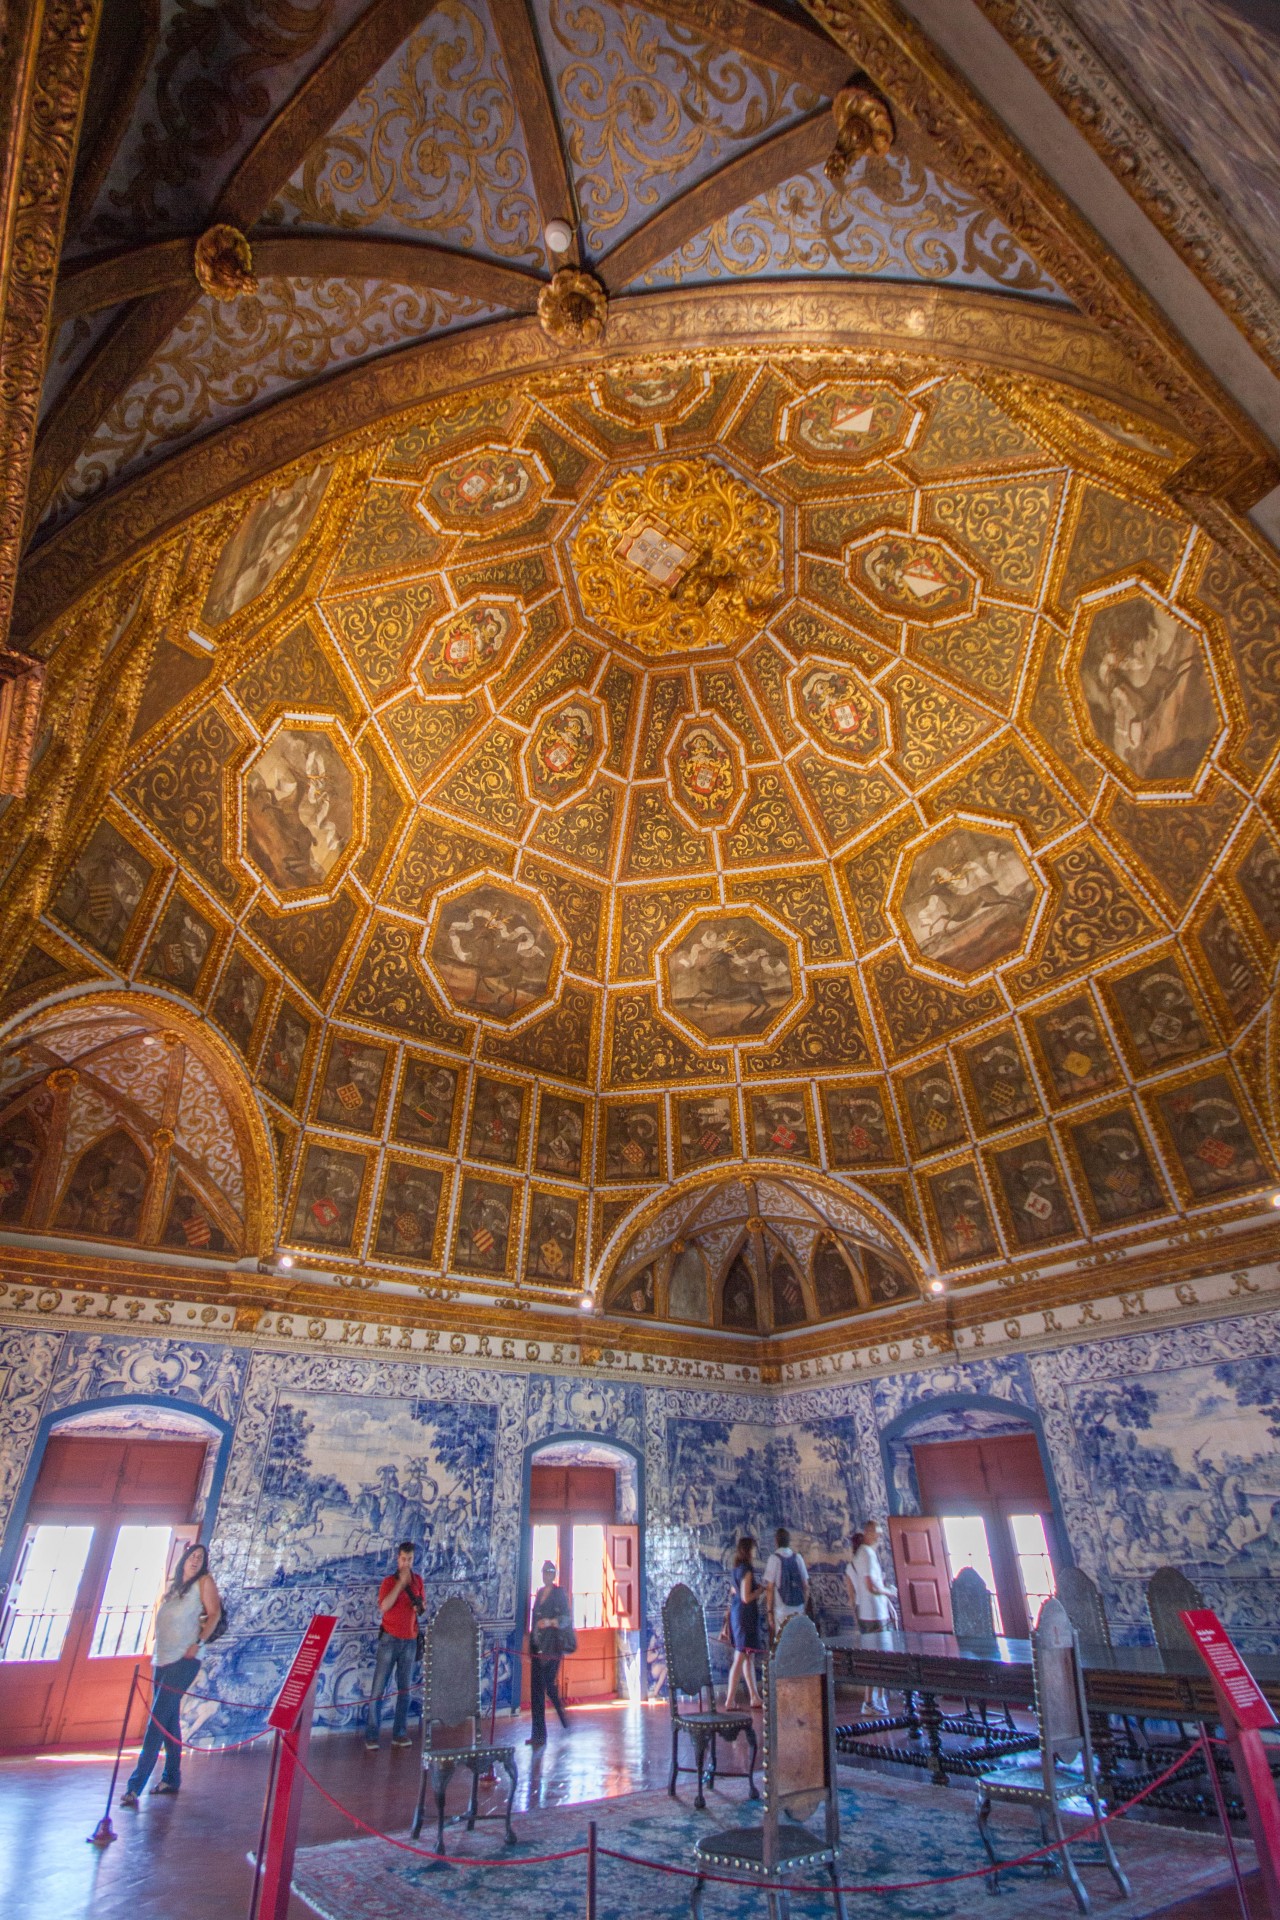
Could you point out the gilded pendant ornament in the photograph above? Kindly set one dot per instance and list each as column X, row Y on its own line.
column 572, row 309
column 863, row 125
column 223, row 263
column 679, row 556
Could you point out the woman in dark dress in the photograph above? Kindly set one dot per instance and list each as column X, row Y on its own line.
column 744, row 1622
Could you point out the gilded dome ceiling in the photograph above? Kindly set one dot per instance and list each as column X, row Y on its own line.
column 650, row 658
column 786, row 773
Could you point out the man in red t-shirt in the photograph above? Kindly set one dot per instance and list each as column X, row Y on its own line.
column 400, row 1601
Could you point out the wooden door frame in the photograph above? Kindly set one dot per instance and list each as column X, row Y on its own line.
column 219, row 1429
column 524, row 1587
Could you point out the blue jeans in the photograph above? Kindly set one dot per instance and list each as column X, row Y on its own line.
column 392, row 1652
column 168, row 1684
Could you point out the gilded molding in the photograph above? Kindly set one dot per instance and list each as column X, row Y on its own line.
column 1147, row 166
column 360, row 406
column 978, row 151
column 43, row 76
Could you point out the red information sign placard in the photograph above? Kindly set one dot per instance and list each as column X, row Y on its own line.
column 1213, row 1643
column 306, row 1665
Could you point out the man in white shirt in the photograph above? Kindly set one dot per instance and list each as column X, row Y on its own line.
column 786, row 1583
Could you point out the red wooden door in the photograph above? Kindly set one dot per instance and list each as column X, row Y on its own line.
column 622, row 1545
column 993, row 1478
column 78, row 1698
column 924, row 1582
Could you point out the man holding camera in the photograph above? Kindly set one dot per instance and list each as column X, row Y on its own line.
column 400, row 1602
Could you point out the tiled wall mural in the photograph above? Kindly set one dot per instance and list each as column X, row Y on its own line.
column 1163, row 1446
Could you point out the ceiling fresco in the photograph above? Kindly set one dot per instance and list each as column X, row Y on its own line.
column 621, row 816
column 416, row 205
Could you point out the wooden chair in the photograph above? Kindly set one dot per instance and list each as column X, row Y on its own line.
column 973, row 1617
column 1065, row 1779
column 1085, row 1607
column 451, row 1719
column 1168, row 1593
column 799, row 1777
column 684, row 1635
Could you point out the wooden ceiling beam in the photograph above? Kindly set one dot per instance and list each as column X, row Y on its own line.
column 803, row 53
column 794, row 150
column 531, row 89
column 163, row 266
column 142, row 329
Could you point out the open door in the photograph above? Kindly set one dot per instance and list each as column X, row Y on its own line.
column 924, row 1578
column 622, row 1545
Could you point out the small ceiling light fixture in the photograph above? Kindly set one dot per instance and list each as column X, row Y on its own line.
column 284, row 1260
column 937, row 1286
column 1275, row 1199
column 588, row 1303
column 559, row 236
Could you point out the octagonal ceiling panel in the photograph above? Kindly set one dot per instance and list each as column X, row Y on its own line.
column 863, row 844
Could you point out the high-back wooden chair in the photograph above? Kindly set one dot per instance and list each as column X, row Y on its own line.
column 799, row 1780
column 451, row 1719
column 972, row 1615
column 1168, row 1592
column 1085, row 1607
column 691, row 1696
column 1061, row 1776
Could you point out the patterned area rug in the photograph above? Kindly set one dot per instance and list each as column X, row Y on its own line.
column 892, row 1831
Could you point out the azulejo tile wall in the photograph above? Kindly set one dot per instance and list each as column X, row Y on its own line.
column 1163, row 1447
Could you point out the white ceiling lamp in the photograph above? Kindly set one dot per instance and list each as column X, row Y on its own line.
column 559, row 236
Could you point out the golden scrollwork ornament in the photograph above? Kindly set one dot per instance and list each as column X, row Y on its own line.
column 223, row 263
column 572, row 308
column 863, row 124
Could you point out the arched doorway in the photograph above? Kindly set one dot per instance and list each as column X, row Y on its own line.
column 583, row 1502
column 970, row 1478
column 117, row 1491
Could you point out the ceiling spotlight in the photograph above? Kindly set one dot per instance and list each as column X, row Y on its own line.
column 937, row 1286
column 587, row 1302
column 1275, row 1199
column 559, row 236
column 284, row 1260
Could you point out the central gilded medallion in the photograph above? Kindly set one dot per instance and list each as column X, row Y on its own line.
column 677, row 557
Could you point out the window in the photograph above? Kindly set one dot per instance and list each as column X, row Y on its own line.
column 49, row 1573
column 588, row 1576
column 546, row 1546
column 967, row 1546
column 1031, row 1547
column 134, row 1580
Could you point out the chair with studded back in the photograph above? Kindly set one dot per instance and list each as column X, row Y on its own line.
column 1170, row 1593
column 1085, row 1608
column 799, row 1781
column 1060, row 1776
column 691, row 1696
column 451, row 1719
column 973, row 1618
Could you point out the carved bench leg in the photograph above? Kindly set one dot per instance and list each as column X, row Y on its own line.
column 473, row 1805
column 416, row 1828
column 699, row 1755
column 675, row 1750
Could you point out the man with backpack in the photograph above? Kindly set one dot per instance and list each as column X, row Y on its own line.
column 786, row 1583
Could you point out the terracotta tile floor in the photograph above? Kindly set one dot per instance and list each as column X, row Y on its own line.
column 185, row 1859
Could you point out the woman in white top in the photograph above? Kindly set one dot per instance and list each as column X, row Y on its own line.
column 189, row 1613
column 872, row 1604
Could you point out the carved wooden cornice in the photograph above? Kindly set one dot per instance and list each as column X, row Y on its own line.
column 1023, row 337
column 979, row 152
column 1146, row 165
column 45, row 52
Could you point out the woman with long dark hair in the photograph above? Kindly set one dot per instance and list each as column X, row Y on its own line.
column 744, row 1622
column 188, row 1614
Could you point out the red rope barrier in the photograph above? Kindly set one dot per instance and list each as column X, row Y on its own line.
column 407, row 1846
column 189, row 1746
column 912, row 1886
column 727, row 1880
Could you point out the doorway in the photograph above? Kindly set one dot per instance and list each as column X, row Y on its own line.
column 583, row 1514
column 992, row 1500
column 105, row 1524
